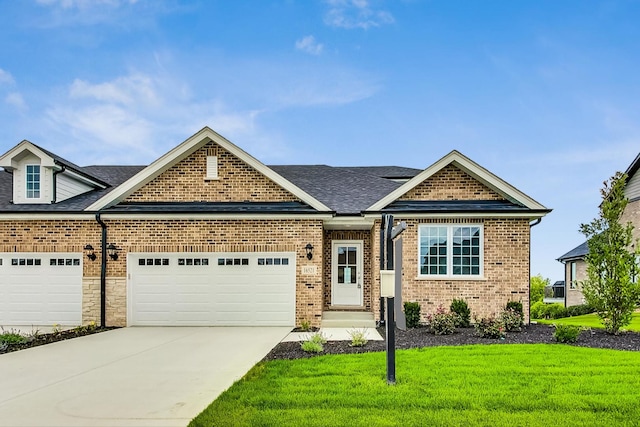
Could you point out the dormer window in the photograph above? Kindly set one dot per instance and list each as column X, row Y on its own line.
column 33, row 181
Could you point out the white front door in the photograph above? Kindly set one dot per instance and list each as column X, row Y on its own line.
column 346, row 273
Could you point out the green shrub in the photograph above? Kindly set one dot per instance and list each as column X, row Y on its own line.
column 460, row 307
column 305, row 325
column 567, row 333
column 511, row 320
column 442, row 322
column 579, row 310
column 311, row 346
column 412, row 314
column 538, row 310
column 489, row 327
column 12, row 337
column 358, row 337
column 556, row 311
column 515, row 306
column 314, row 344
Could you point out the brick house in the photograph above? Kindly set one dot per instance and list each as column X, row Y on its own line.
column 208, row 235
column 575, row 265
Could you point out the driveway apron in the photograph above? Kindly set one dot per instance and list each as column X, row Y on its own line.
column 130, row 377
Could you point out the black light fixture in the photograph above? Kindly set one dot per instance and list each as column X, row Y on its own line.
column 112, row 251
column 309, row 249
column 88, row 249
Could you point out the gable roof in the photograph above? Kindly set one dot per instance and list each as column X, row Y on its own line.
column 183, row 150
column 633, row 167
column 49, row 159
column 579, row 252
column 471, row 168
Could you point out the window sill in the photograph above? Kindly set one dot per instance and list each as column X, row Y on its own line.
column 453, row 278
column 211, row 179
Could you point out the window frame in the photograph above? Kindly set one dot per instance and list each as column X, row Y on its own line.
column 27, row 174
column 449, row 263
column 573, row 270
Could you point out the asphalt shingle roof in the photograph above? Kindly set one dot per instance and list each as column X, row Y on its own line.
column 214, row 207
column 576, row 253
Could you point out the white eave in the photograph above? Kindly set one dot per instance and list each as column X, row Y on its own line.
column 185, row 149
column 45, row 159
column 476, row 171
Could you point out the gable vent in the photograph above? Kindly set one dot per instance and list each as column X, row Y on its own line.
column 212, row 163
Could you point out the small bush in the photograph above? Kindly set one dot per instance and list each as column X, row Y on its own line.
column 556, row 311
column 538, row 310
column 305, row 325
column 358, row 337
column 579, row 310
column 460, row 307
column 511, row 320
column 442, row 322
column 412, row 314
column 567, row 333
column 314, row 344
column 311, row 346
column 515, row 306
column 489, row 327
column 12, row 337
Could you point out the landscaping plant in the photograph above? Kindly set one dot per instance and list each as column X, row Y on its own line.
column 314, row 344
column 566, row 333
column 611, row 261
column 511, row 320
column 442, row 322
column 489, row 327
column 412, row 314
column 358, row 337
column 461, row 309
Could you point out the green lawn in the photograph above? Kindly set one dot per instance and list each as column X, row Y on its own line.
column 479, row 385
column 591, row 321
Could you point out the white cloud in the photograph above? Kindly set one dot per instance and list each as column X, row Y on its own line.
column 16, row 100
column 355, row 14
column 309, row 45
column 136, row 88
column 6, row 77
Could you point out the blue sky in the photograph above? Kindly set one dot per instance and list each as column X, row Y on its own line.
column 545, row 94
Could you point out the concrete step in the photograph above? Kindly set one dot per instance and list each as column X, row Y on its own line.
column 347, row 319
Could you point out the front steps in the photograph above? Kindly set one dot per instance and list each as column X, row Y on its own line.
column 347, row 319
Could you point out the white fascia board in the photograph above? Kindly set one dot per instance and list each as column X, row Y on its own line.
column 83, row 179
column 188, row 216
column 485, row 215
column 185, row 149
column 470, row 167
column 33, row 216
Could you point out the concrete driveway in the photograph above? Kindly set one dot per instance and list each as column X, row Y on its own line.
column 128, row 377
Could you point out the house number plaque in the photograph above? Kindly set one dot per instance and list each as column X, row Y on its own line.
column 309, row 270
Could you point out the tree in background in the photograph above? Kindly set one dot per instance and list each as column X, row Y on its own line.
column 536, row 292
column 611, row 262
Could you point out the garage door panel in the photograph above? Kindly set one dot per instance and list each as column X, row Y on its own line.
column 212, row 289
column 41, row 289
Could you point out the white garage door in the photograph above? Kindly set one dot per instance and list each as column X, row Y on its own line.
column 40, row 289
column 211, row 289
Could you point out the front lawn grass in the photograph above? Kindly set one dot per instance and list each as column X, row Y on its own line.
column 590, row 321
column 480, row 385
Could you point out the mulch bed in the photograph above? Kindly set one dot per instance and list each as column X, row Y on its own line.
column 421, row 337
column 35, row 340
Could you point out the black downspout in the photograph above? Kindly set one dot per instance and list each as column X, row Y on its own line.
column 103, row 273
column 531, row 225
column 55, row 184
column 382, row 267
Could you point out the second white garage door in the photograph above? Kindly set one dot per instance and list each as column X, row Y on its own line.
column 211, row 289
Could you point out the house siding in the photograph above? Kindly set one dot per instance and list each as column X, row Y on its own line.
column 186, row 182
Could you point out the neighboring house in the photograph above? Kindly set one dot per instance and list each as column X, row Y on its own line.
column 554, row 293
column 208, row 235
column 575, row 265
